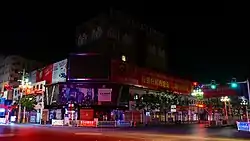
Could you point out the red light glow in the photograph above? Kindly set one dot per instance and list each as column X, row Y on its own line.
column 195, row 83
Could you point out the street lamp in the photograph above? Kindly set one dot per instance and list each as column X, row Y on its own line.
column 25, row 84
column 198, row 93
column 225, row 99
column 244, row 102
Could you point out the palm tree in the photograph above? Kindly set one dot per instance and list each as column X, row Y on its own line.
column 28, row 103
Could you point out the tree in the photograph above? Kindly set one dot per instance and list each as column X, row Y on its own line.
column 28, row 103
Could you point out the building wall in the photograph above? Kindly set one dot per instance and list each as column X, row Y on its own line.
column 116, row 34
column 10, row 66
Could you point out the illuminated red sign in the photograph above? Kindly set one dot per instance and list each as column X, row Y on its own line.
column 85, row 123
column 219, row 91
column 45, row 74
column 133, row 75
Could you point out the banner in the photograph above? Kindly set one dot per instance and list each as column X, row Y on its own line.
column 104, row 95
column 59, row 71
column 219, row 91
column 45, row 74
column 124, row 73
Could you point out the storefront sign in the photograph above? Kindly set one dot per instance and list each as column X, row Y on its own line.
column 219, row 92
column 104, row 95
column 155, row 82
column 243, row 126
column 57, row 122
column 2, row 120
column 173, row 108
column 85, row 123
column 59, row 71
column 132, row 75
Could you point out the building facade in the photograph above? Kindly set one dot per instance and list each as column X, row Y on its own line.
column 11, row 66
column 116, row 34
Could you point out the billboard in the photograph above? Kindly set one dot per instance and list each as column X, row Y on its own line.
column 45, row 74
column 76, row 94
column 88, row 67
column 104, row 95
column 59, row 71
column 128, row 74
column 226, row 90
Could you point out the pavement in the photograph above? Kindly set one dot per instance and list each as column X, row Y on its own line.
column 173, row 133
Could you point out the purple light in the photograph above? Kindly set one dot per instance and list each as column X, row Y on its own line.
column 84, row 54
column 80, row 79
column 86, row 79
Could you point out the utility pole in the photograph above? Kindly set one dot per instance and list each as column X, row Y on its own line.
column 21, row 95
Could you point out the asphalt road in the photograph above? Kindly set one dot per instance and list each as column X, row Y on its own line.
column 184, row 133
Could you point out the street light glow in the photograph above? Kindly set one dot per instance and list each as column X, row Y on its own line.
column 225, row 99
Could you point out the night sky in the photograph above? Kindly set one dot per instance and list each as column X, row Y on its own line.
column 205, row 40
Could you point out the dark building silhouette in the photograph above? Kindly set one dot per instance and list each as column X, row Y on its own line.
column 116, row 34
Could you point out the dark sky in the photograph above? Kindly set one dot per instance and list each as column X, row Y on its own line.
column 206, row 40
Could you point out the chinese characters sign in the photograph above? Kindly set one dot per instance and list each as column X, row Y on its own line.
column 149, row 79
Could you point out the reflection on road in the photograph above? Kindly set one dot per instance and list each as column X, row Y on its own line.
column 38, row 133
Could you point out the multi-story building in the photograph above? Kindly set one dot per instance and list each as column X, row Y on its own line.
column 113, row 59
column 10, row 68
column 116, row 34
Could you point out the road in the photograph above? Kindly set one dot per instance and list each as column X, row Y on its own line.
column 191, row 133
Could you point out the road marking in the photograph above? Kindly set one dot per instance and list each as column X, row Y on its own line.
column 6, row 135
column 91, row 134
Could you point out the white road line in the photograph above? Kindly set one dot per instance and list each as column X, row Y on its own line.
column 6, row 135
column 91, row 134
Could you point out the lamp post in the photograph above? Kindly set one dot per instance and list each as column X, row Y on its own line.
column 23, row 86
column 225, row 99
column 198, row 94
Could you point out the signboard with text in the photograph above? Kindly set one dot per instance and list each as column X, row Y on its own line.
column 59, row 71
column 132, row 75
column 104, row 95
